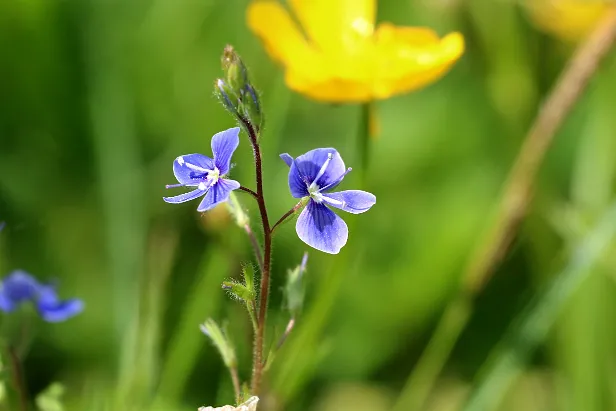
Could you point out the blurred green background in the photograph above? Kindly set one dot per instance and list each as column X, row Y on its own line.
column 97, row 97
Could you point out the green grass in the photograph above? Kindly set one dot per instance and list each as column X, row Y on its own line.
column 98, row 98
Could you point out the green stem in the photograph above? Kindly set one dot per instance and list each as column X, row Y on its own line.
column 512, row 209
column 235, row 379
column 251, row 313
column 363, row 142
column 17, row 376
column 255, row 245
column 286, row 215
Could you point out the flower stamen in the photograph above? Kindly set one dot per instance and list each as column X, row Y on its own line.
column 175, row 185
column 193, row 166
column 337, row 181
column 321, row 172
column 332, row 201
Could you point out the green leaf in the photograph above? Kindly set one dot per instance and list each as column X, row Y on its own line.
column 212, row 330
column 295, row 288
column 50, row 398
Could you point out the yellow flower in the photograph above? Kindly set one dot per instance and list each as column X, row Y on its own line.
column 342, row 57
column 570, row 20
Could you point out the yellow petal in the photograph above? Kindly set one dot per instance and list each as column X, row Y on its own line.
column 282, row 38
column 411, row 58
column 335, row 25
column 330, row 90
column 570, row 20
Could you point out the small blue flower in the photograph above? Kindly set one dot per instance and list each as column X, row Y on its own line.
column 20, row 287
column 2, row 224
column 206, row 174
column 315, row 174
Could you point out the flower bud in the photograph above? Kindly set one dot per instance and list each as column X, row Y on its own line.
column 227, row 96
column 236, row 93
column 236, row 74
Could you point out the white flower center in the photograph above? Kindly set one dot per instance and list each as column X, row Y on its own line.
column 213, row 176
column 313, row 191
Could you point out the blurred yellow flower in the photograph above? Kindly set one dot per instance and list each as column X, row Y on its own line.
column 570, row 20
column 338, row 56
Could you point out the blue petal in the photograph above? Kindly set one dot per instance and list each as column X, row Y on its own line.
column 287, row 159
column 309, row 165
column 321, row 228
column 191, row 195
column 219, row 193
column 190, row 169
column 6, row 303
column 52, row 309
column 298, row 185
column 19, row 286
column 223, row 146
column 352, row 201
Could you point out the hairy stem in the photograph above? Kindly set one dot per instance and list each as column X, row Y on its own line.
column 257, row 365
column 249, row 191
column 286, row 333
column 18, row 378
column 236, row 384
column 255, row 245
column 286, row 215
column 253, row 318
column 512, row 209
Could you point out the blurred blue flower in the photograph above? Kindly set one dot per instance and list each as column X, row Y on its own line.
column 206, row 174
column 20, row 287
column 315, row 174
column 2, row 224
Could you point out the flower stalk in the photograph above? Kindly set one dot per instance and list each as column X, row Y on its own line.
column 287, row 215
column 17, row 377
column 257, row 371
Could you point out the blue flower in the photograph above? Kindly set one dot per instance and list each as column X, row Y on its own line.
column 20, row 287
column 206, row 174
column 315, row 174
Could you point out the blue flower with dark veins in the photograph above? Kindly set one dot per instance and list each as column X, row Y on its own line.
column 315, row 174
column 20, row 287
column 207, row 175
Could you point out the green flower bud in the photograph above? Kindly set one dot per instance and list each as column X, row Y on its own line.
column 236, row 73
column 237, row 93
column 226, row 96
